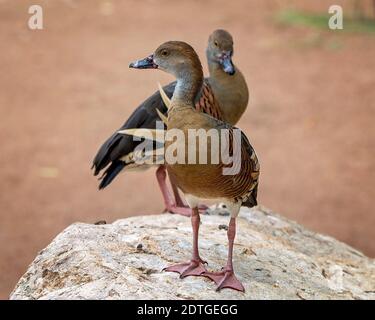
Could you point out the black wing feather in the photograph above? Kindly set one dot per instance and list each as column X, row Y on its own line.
column 119, row 145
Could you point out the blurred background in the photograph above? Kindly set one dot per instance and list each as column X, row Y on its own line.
column 66, row 88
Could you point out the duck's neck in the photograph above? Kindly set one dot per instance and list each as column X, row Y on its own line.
column 188, row 86
column 215, row 69
column 230, row 91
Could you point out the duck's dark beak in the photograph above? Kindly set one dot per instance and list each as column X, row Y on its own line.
column 146, row 63
column 225, row 60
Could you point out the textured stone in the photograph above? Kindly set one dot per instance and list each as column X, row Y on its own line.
column 274, row 258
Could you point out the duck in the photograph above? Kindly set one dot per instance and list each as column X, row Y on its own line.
column 207, row 181
column 224, row 95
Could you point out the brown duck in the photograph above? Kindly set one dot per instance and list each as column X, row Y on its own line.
column 224, row 95
column 203, row 181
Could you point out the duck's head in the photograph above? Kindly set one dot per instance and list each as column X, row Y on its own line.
column 175, row 57
column 220, row 50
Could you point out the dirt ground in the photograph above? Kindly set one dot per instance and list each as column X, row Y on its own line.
column 65, row 88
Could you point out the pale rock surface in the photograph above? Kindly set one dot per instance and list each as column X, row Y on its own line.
column 274, row 258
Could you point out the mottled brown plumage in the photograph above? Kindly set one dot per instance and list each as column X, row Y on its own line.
column 208, row 104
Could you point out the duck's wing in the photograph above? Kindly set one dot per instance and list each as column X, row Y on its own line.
column 251, row 169
column 207, row 103
column 243, row 186
column 118, row 146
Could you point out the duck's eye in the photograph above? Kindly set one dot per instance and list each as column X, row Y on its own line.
column 216, row 43
column 164, row 53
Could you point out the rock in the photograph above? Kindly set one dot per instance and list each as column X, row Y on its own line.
column 274, row 258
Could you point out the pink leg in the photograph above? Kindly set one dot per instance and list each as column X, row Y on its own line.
column 226, row 278
column 170, row 204
column 161, row 176
column 195, row 266
column 179, row 201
